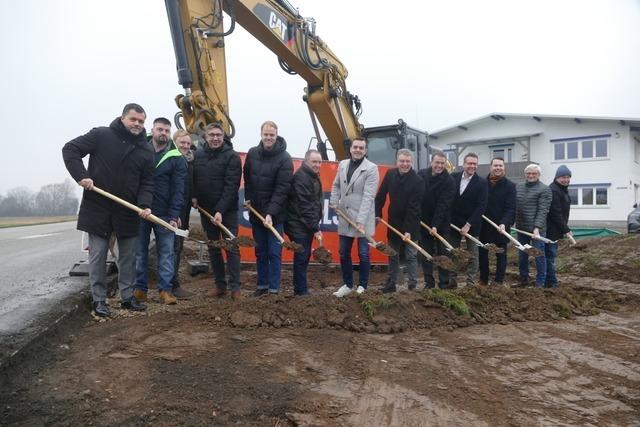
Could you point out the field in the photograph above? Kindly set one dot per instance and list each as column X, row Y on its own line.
column 19, row 221
column 473, row 356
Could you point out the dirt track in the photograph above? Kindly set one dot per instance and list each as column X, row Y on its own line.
column 521, row 357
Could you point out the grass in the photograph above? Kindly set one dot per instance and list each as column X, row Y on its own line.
column 20, row 221
column 370, row 306
column 449, row 300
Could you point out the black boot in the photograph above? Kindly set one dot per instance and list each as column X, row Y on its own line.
column 101, row 309
column 133, row 305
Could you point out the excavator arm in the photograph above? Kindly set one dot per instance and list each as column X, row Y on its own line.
column 198, row 37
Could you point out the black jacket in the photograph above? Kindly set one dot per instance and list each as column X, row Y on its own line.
column 304, row 204
column 216, row 179
column 437, row 198
column 558, row 216
column 405, row 196
column 470, row 205
column 188, row 194
column 501, row 209
column 267, row 179
column 168, row 183
column 120, row 163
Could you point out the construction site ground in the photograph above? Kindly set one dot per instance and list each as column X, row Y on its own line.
column 473, row 356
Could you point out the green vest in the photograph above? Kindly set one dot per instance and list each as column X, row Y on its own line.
column 171, row 153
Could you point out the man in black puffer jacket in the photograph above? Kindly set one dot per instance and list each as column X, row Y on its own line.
column 120, row 162
column 268, row 171
column 439, row 190
column 557, row 221
column 304, row 212
column 216, row 179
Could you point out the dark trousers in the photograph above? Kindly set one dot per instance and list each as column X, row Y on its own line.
column 230, row 220
column 301, row 263
column 268, row 257
column 501, row 264
column 346, row 242
column 435, row 247
column 178, row 244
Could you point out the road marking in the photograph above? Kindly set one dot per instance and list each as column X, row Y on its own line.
column 36, row 236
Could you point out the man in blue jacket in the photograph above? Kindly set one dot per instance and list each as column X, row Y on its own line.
column 168, row 202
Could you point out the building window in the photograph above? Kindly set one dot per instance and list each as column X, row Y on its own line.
column 589, row 148
column 589, row 195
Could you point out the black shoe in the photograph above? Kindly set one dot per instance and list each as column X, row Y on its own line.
column 389, row 289
column 412, row 287
column 101, row 309
column 133, row 305
column 260, row 292
column 182, row 294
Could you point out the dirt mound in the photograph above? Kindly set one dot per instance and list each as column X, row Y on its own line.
column 409, row 310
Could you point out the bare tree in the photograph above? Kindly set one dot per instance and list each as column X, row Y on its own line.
column 57, row 199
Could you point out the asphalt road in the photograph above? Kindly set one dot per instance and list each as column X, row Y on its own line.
column 34, row 266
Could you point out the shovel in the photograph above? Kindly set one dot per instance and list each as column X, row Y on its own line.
column 491, row 247
column 381, row 246
column 441, row 261
column 530, row 250
column 231, row 241
column 460, row 255
column 526, row 233
column 152, row 218
column 321, row 254
column 292, row 246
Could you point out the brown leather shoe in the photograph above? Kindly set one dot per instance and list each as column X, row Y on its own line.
column 215, row 293
column 236, row 295
column 482, row 283
column 167, row 298
column 140, row 295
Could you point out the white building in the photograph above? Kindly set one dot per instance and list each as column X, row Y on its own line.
column 603, row 154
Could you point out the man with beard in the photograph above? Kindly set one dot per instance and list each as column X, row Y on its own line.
column 405, row 188
column 501, row 209
column 469, row 203
column 304, row 212
column 120, row 162
column 353, row 192
column 168, row 200
column 439, row 190
column 182, row 141
column 268, row 171
column 216, row 179
column 557, row 221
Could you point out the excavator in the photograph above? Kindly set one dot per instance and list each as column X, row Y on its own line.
column 198, row 36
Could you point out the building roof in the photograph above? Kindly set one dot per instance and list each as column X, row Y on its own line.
column 537, row 117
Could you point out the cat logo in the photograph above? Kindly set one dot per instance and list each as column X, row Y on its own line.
column 278, row 25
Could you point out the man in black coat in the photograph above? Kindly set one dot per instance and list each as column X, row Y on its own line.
column 501, row 209
column 217, row 170
column 268, row 171
column 557, row 221
column 405, row 188
column 439, row 190
column 182, row 141
column 469, row 204
column 304, row 212
column 120, row 162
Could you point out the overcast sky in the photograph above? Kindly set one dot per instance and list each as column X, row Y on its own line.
column 71, row 65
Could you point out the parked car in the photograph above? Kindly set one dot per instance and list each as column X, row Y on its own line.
column 633, row 220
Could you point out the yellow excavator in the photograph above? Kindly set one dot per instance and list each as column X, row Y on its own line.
column 198, row 36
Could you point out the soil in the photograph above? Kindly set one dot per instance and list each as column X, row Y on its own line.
column 472, row 356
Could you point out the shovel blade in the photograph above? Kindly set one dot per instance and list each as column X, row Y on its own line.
column 181, row 233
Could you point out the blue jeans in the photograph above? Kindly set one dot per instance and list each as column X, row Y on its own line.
column 551, row 253
column 346, row 242
column 300, row 264
column 268, row 257
column 165, row 255
column 541, row 262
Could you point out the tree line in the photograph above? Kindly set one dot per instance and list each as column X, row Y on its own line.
column 50, row 200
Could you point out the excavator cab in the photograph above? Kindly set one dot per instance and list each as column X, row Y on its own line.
column 385, row 141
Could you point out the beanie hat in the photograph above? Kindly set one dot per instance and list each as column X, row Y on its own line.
column 563, row 170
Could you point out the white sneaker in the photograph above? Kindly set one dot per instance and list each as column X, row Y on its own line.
column 343, row 291
column 360, row 290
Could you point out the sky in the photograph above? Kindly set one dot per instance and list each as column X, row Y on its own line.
column 69, row 66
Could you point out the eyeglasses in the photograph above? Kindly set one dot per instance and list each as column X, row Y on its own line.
column 215, row 135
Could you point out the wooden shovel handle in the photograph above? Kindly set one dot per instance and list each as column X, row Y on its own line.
column 261, row 218
column 571, row 239
column 442, row 239
column 220, row 225
column 467, row 236
column 500, row 230
column 138, row 209
column 353, row 224
column 533, row 236
column 411, row 242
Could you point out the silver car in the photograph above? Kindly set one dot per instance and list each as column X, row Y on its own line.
column 633, row 220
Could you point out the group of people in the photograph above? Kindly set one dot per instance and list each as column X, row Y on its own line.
column 166, row 176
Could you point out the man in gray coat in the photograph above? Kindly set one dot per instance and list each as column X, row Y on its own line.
column 532, row 206
column 353, row 192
